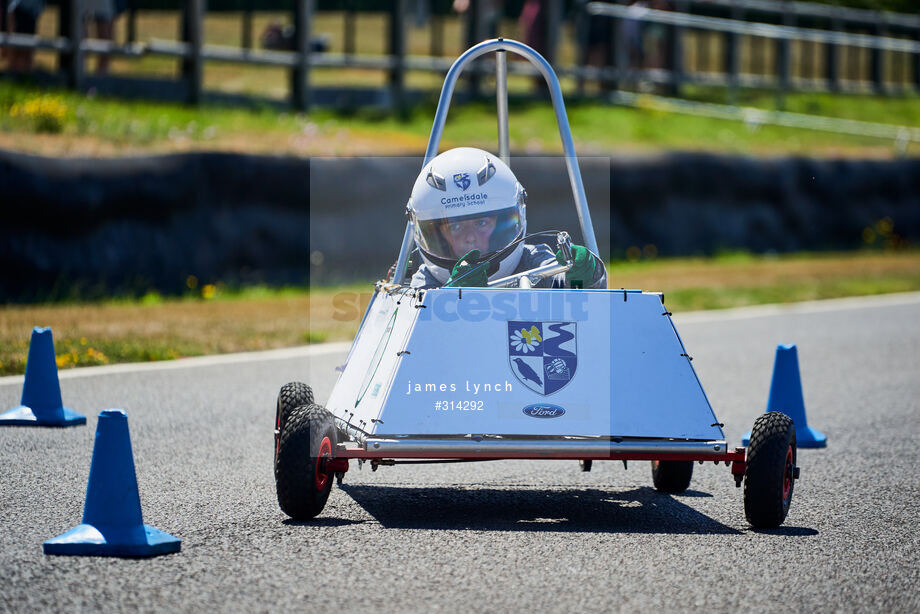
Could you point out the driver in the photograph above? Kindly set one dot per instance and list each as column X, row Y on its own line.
column 468, row 207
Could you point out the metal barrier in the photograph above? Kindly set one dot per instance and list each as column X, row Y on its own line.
column 813, row 9
column 782, row 35
column 764, row 30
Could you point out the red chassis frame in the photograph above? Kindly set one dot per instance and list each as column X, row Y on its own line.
column 736, row 458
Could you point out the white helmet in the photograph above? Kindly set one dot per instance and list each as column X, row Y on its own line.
column 467, row 199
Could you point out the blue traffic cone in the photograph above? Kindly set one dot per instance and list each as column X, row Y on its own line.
column 786, row 397
column 112, row 523
column 41, row 403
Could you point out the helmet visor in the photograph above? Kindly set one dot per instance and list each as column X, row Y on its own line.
column 452, row 237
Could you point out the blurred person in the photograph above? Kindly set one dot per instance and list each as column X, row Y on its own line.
column 4, row 28
column 533, row 24
column 283, row 38
column 633, row 30
column 479, row 25
column 598, row 29
column 655, row 38
column 420, row 11
column 492, row 11
column 467, row 208
column 103, row 14
column 647, row 42
column 277, row 37
column 23, row 19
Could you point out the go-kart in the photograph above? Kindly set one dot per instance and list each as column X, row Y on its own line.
column 510, row 371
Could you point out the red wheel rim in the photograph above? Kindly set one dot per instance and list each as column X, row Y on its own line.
column 788, row 475
column 325, row 451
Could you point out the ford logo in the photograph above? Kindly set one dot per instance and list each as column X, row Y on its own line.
column 543, row 410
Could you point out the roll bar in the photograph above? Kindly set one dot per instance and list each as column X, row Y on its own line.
column 500, row 46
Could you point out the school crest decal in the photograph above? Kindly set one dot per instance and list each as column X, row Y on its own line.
column 462, row 180
column 542, row 355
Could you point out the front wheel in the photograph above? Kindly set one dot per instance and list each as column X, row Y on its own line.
column 770, row 471
column 291, row 396
column 306, row 445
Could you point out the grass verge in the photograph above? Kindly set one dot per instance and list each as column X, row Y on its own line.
column 64, row 123
column 219, row 321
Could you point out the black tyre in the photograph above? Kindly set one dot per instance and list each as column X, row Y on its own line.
column 301, row 479
column 290, row 397
column 672, row 476
column 769, row 474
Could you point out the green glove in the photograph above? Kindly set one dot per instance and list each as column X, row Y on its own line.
column 582, row 271
column 473, row 277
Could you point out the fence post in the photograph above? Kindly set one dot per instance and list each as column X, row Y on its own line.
column 398, row 53
column 74, row 60
column 675, row 58
column 350, row 27
column 553, row 26
column 247, row 24
column 702, row 51
column 833, row 58
column 63, row 58
column 619, row 52
column 807, row 52
column 877, row 65
column 192, row 33
column 474, row 30
column 733, row 55
column 582, row 30
column 783, row 60
column 132, row 22
column 436, row 48
column 916, row 61
column 851, row 65
column 300, row 73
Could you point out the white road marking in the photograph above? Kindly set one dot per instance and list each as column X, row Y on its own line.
column 804, row 307
column 681, row 319
column 305, row 351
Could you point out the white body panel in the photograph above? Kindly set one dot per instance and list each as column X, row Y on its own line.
column 629, row 377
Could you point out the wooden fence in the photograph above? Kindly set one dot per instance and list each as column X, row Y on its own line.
column 821, row 34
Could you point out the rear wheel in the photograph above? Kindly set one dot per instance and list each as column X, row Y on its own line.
column 302, row 480
column 290, row 397
column 672, row 476
column 770, row 472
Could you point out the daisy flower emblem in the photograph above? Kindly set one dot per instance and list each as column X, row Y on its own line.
column 522, row 343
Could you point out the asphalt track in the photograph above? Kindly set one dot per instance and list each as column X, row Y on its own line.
column 500, row 536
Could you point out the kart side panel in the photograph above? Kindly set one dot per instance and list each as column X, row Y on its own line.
column 361, row 389
column 656, row 392
column 625, row 372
